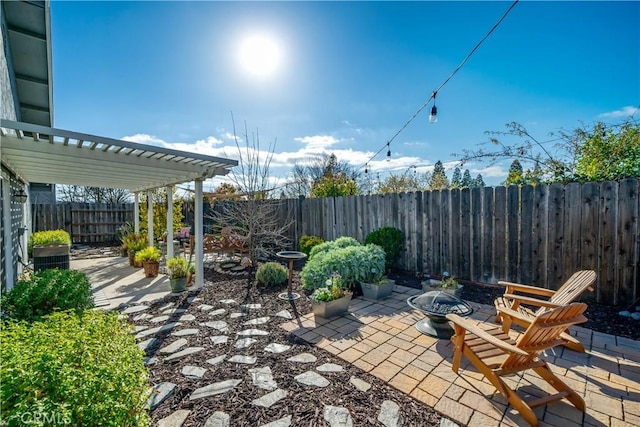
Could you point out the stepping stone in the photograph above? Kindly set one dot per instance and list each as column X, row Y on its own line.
column 270, row 398
column 284, row 314
column 185, row 332
column 282, row 422
column 186, row 352
column 446, row 422
column 228, row 301
column 143, row 316
column 257, row 321
column 214, row 389
column 263, row 378
column 193, row 372
column 238, row 268
column 176, row 419
column 245, row 342
column 337, row 416
column 205, row 307
column 303, row 358
column 139, row 328
column 154, row 331
column 216, row 360
column 187, row 318
column 174, row 346
column 166, row 306
column 228, row 265
column 194, row 299
column 249, row 360
column 135, row 309
column 330, row 367
column 252, row 306
column 159, row 319
column 220, row 325
column 174, row 311
column 360, row 384
column 145, row 345
column 277, row 348
column 390, row 414
column 217, row 312
column 218, row 419
column 249, row 332
column 219, row 339
column 312, row 378
column 236, row 315
column 159, row 393
column 148, row 361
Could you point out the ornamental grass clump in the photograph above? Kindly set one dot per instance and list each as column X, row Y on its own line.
column 272, row 273
column 340, row 242
column 70, row 369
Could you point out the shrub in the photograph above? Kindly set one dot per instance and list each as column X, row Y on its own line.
column 340, row 242
column 353, row 263
column 390, row 239
column 308, row 242
column 48, row 237
column 72, row 369
column 148, row 254
column 135, row 242
column 272, row 273
column 177, row 267
column 47, row 291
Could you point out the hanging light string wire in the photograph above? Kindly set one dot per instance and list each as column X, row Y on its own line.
column 423, row 106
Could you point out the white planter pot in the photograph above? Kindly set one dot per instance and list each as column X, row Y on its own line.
column 333, row 308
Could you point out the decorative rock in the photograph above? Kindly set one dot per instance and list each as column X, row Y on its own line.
column 160, row 393
column 219, row 339
column 625, row 313
column 135, row 309
column 145, row 345
column 166, row 306
column 245, row 342
column 360, row 384
column 159, row 319
column 238, row 268
column 194, row 299
column 176, row 419
column 174, row 311
column 228, row 301
column 270, row 398
column 205, row 307
column 215, row 360
column 277, row 348
column 220, row 325
column 249, row 332
column 263, row 378
column 184, row 332
column 214, row 389
column 139, row 328
column 390, row 414
column 250, row 360
column 193, row 372
column 330, row 367
column 284, row 314
column 143, row 316
column 187, row 318
column 227, row 265
column 282, row 422
column 337, row 416
column 303, row 358
column 252, row 306
column 218, row 419
column 153, row 331
column 174, row 346
column 148, row 361
column 218, row 312
column 186, row 352
column 312, row 378
column 257, row 321
column 445, row 422
column 236, row 315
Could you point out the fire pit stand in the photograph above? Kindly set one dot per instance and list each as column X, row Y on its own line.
column 436, row 305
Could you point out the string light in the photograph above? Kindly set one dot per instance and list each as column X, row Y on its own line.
column 366, row 168
column 433, row 117
column 388, row 152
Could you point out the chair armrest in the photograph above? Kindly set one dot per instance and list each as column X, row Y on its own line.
column 531, row 301
column 475, row 330
column 517, row 287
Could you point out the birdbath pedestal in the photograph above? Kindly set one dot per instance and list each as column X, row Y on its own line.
column 291, row 256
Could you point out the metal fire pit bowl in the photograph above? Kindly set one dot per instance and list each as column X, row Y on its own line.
column 436, row 305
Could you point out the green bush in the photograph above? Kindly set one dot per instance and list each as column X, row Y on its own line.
column 82, row 370
column 391, row 240
column 307, row 243
column 48, row 237
column 340, row 242
column 272, row 273
column 177, row 267
column 148, row 254
column 354, row 264
column 47, row 291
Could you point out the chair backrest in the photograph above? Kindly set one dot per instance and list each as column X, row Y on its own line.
column 572, row 288
column 544, row 332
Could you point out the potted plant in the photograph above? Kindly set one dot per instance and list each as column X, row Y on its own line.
column 123, row 231
column 191, row 273
column 177, row 269
column 150, row 259
column 135, row 242
column 447, row 284
column 50, row 249
column 332, row 299
column 370, row 267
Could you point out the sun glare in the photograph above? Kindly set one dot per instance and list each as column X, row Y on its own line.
column 260, row 55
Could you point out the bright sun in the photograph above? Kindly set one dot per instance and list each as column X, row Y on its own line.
column 260, row 55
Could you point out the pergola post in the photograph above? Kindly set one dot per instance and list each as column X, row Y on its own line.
column 198, row 234
column 136, row 212
column 169, row 221
column 150, row 217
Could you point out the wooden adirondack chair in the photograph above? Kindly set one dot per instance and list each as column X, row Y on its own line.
column 495, row 354
column 510, row 308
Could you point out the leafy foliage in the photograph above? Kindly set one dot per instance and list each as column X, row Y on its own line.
column 308, row 242
column 272, row 273
column 304, row 177
column 516, row 174
column 159, row 199
column 340, row 242
column 177, row 267
column 404, row 183
column 75, row 369
column 47, row 291
column 48, row 237
column 135, row 242
column 147, row 254
column 439, row 180
column 390, row 239
column 334, row 185
column 333, row 289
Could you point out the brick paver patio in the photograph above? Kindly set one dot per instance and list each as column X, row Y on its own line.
column 380, row 338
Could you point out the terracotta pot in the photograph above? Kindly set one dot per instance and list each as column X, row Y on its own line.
column 150, row 268
column 132, row 256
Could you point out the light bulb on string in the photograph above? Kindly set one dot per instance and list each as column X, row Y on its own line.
column 366, row 168
column 433, row 116
column 388, row 152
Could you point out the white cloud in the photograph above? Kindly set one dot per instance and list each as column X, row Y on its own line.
column 623, row 112
column 318, row 142
column 494, row 171
column 143, row 138
column 211, row 140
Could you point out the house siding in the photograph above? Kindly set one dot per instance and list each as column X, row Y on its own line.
column 8, row 101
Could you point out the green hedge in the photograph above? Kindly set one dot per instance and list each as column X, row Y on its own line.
column 390, row 239
column 340, row 242
column 47, row 291
column 82, row 370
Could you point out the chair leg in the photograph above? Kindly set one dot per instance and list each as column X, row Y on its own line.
column 555, row 382
column 572, row 343
column 512, row 397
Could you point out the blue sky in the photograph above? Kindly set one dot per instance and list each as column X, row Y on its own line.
column 350, row 74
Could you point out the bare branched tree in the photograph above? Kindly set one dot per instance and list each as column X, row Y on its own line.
column 83, row 194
